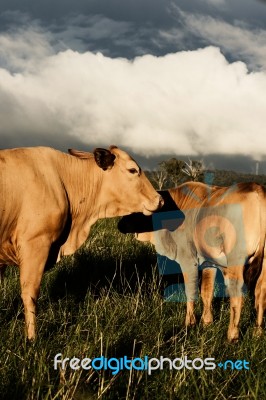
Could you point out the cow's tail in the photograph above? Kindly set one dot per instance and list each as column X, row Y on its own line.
column 253, row 270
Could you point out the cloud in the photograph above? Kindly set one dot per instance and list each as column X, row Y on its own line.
column 96, row 33
column 238, row 39
column 22, row 50
column 190, row 102
column 130, row 38
column 90, row 32
column 215, row 2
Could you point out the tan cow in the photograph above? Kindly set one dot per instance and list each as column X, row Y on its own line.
column 49, row 201
column 222, row 226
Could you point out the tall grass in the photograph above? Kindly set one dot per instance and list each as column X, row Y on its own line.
column 106, row 300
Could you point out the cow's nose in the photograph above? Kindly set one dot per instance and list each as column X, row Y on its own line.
column 160, row 202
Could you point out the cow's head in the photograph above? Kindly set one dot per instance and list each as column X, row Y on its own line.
column 124, row 185
column 157, row 227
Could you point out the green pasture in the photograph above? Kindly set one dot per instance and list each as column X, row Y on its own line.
column 107, row 300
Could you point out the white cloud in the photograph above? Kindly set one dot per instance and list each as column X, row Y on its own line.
column 22, row 49
column 191, row 102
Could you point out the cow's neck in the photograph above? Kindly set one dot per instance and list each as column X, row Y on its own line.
column 82, row 181
column 84, row 184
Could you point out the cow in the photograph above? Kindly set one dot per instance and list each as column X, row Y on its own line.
column 49, row 201
column 223, row 227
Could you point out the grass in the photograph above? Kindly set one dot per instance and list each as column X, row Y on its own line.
column 107, row 300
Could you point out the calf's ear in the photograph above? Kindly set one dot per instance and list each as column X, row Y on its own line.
column 104, row 158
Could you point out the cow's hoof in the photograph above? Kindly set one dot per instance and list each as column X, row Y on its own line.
column 257, row 332
column 190, row 324
column 233, row 335
column 30, row 342
column 233, row 340
column 206, row 324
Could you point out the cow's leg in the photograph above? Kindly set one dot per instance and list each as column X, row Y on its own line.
column 233, row 279
column 190, row 274
column 190, row 315
column 260, row 296
column 33, row 256
column 207, row 289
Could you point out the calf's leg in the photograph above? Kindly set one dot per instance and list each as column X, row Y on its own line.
column 207, row 290
column 233, row 278
column 190, row 274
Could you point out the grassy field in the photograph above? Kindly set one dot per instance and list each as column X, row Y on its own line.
column 106, row 300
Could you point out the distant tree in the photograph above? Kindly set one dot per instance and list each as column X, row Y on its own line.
column 173, row 169
column 159, row 178
column 193, row 169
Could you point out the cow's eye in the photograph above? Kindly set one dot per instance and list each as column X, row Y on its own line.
column 133, row 171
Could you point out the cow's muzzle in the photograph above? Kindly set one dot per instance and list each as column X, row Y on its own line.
column 157, row 204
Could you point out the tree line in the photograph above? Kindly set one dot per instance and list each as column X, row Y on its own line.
column 172, row 172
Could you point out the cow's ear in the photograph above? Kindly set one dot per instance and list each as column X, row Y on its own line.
column 80, row 154
column 104, row 158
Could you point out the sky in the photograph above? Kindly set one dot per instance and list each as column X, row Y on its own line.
column 160, row 78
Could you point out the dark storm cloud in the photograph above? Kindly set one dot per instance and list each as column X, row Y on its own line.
column 119, row 28
column 139, row 11
column 60, row 141
column 157, row 12
column 131, row 28
column 130, row 10
column 238, row 163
